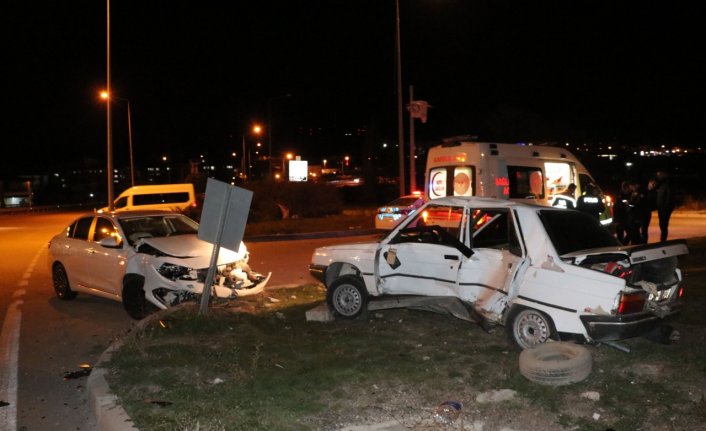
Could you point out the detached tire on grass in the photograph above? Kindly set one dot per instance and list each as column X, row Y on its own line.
column 556, row 363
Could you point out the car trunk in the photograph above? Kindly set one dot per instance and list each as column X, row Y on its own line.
column 650, row 268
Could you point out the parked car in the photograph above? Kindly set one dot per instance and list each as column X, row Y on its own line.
column 390, row 215
column 544, row 273
column 148, row 260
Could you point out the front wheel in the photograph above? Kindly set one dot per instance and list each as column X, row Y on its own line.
column 346, row 297
column 134, row 301
column 62, row 288
column 528, row 328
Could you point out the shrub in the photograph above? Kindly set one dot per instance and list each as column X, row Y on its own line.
column 273, row 201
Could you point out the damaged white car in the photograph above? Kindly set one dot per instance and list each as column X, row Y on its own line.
column 147, row 260
column 544, row 273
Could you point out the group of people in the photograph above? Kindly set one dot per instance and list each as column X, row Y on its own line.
column 633, row 209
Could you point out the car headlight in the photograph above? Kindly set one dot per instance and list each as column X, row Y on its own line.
column 176, row 272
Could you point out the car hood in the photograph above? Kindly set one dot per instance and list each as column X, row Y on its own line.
column 354, row 246
column 636, row 254
column 189, row 246
column 361, row 252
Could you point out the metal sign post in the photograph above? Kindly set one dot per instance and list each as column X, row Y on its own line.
column 223, row 219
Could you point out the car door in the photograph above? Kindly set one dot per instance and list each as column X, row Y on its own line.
column 490, row 276
column 107, row 263
column 425, row 256
column 71, row 251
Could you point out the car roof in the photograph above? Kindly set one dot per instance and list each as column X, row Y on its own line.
column 484, row 201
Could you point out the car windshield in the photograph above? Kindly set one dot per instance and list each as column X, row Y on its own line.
column 157, row 226
column 572, row 231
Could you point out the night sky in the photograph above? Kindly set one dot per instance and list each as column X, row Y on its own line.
column 198, row 74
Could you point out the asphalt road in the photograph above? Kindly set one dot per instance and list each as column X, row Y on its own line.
column 43, row 338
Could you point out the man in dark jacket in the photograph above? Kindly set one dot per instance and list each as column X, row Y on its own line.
column 664, row 199
column 590, row 202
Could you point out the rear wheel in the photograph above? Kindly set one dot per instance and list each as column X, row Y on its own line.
column 134, row 301
column 346, row 297
column 62, row 288
column 528, row 328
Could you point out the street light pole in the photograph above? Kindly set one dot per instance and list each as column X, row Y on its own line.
column 129, row 131
column 109, row 157
column 108, row 98
column 400, row 119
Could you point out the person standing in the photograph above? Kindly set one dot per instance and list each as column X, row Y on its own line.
column 566, row 199
column 620, row 213
column 590, row 202
column 637, row 206
column 664, row 199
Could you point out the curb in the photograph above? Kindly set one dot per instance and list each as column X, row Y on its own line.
column 109, row 414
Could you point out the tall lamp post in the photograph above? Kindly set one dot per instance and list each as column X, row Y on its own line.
column 108, row 97
column 400, row 118
column 109, row 157
column 245, row 158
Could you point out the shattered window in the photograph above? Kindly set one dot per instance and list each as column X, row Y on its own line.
column 448, row 218
column 437, row 224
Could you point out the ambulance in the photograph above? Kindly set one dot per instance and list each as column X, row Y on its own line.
column 461, row 166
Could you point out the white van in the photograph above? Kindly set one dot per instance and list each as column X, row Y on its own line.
column 462, row 167
column 170, row 197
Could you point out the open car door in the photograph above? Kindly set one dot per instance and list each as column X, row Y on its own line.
column 424, row 257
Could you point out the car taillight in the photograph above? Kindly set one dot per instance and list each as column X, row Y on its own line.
column 631, row 303
column 681, row 292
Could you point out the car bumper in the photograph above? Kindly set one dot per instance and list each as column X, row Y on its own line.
column 613, row 328
column 387, row 221
column 318, row 272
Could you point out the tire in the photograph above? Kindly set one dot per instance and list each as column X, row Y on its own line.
column 134, row 301
column 528, row 328
column 346, row 297
column 62, row 288
column 556, row 364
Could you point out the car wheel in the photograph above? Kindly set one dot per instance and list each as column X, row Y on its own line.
column 529, row 328
column 346, row 297
column 134, row 301
column 62, row 288
column 556, row 364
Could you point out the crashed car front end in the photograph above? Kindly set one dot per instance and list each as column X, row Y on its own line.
column 172, row 279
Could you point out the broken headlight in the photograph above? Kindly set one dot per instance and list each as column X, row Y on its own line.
column 176, row 272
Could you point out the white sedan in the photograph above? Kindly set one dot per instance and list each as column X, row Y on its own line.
column 148, row 260
column 544, row 273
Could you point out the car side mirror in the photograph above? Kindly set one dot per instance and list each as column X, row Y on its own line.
column 109, row 242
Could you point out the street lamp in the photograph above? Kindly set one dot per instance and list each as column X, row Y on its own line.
column 107, row 97
column 400, row 118
column 257, row 130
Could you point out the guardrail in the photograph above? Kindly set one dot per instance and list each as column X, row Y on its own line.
column 45, row 208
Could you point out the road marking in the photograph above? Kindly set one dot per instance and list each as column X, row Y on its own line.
column 10, row 350
column 9, row 354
